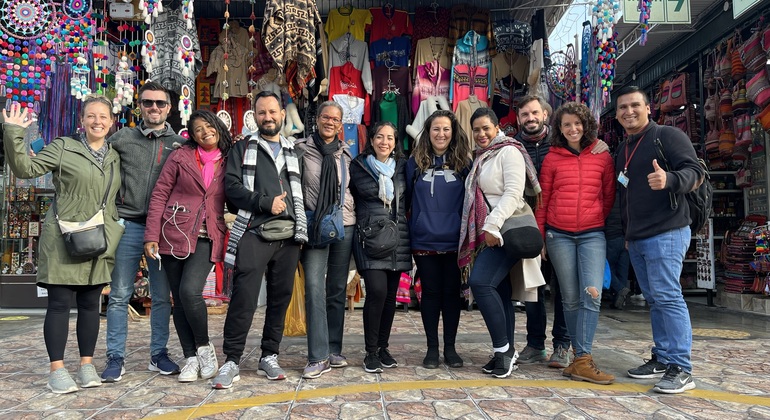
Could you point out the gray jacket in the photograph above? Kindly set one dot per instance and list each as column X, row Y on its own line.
column 142, row 155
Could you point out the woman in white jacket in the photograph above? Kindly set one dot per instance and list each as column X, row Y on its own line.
column 494, row 191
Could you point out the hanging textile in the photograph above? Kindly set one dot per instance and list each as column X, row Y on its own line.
column 171, row 33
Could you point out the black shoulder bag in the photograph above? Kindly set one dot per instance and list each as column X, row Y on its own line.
column 380, row 238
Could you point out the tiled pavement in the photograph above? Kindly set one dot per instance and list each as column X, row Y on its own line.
column 731, row 359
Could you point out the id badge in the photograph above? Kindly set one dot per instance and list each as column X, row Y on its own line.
column 623, row 179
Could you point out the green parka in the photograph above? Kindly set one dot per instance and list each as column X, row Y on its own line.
column 80, row 189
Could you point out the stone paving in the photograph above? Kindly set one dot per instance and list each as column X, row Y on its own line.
column 730, row 357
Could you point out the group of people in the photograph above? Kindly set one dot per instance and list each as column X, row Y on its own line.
column 446, row 207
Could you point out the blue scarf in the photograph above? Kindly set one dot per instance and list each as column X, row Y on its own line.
column 383, row 173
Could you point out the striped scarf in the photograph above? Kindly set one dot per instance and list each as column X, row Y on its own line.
column 243, row 218
column 475, row 210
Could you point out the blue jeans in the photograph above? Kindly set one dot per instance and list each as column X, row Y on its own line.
column 579, row 264
column 489, row 271
column 326, row 281
column 617, row 257
column 129, row 252
column 658, row 264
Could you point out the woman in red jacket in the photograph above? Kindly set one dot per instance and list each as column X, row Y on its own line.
column 185, row 231
column 578, row 193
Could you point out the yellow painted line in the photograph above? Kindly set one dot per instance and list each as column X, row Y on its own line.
column 14, row 318
column 225, row 406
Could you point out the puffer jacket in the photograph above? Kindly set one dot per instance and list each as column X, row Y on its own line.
column 369, row 208
column 537, row 150
column 578, row 190
column 180, row 203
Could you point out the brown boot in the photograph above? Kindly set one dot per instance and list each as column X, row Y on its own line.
column 568, row 370
column 584, row 369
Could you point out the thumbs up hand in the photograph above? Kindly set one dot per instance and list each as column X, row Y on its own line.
column 279, row 205
column 657, row 179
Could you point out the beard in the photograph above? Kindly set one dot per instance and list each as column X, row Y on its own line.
column 270, row 131
column 537, row 129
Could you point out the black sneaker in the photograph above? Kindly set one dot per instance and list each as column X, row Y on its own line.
column 675, row 381
column 372, row 363
column 490, row 366
column 386, row 359
column 650, row 369
column 505, row 363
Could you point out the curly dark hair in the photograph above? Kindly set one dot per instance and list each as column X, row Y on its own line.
column 590, row 126
column 458, row 153
column 369, row 149
column 225, row 140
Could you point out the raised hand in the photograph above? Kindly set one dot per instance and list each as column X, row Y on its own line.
column 657, row 179
column 17, row 116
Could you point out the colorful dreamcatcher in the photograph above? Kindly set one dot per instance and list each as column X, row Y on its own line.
column 149, row 50
column 26, row 47
column 560, row 76
column 74, row 36
column 185, row 55
column 645, row 7
column 604, row 13
column 185, row 104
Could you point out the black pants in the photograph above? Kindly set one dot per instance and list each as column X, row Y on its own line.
column 57, row 318
column 441, row 296
column 277, row 261
column 186, row 278
column 537, row 319
column 379, row 307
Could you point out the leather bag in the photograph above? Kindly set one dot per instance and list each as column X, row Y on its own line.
column 331, row 228
column 380, row 238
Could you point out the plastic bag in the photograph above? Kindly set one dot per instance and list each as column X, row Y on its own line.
column 295, row 325
column 404, row 294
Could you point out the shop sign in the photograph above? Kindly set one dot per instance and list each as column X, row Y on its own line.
column 740, row 6
column 661, row 11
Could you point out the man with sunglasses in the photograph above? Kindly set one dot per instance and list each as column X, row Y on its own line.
column 143, row 150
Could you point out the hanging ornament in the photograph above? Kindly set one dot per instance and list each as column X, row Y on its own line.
column 79, row 79
column 149, row 50
column 645, row 7
column 185, row 55
column 185, row 104
column 223, row 114
column 226, row 119
column 124, row 86
column 604, row 12
column 187, row 12
column 150, row 9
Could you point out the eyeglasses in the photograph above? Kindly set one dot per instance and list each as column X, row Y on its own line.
column 326, row 118
column 147, row 103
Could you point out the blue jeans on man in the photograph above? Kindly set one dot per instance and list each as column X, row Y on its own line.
column 127, row 257
column 617, row 257
column 658, row 263
column 326, row 279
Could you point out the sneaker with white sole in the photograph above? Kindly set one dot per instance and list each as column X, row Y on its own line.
column 163, row 364
column 337, row 360
column 114, row 370
column 88, row 377
column 505, row 363
column 650, row 369
column 531, row 355
column 228, row 373
column 674, row 381
column 207, row 360
column 316, row 369
column 269, row 367
column 190, row 370
column 60, row 382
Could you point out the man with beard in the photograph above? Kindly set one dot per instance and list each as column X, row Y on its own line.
column 262, row 180
column 533, row 113
column 143, row 151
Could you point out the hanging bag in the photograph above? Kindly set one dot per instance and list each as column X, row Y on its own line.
column 521, row 235
column 380, row 238
column 678, row 92
column 752, row 55
column 87, row 239
column 295, row 324
column 758, row 89
column 724, row 64
column 331, row 228
column 738, row 70
column 665, row 96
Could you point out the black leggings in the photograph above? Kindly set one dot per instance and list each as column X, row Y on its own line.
column 57, row 317
column 379, row 307
column 440, row 279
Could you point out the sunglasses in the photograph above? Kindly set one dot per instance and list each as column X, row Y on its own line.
column 147, row 103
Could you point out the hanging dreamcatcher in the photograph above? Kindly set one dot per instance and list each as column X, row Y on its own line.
column 604, row 12
column 644, row 19
column 27, row 64
column 185, row 55
column 149, row 50
column 74, row 36
column 124, row 86
column 560, row 76
column 185, row 104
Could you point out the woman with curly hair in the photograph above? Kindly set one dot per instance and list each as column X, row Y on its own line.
column 435, row 179
column 578, row 193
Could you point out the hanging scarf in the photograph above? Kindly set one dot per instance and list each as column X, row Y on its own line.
column 208, row 162
column 534, row 138
column 249, row 170
column 328, row 190
column 475, row 210
column 383, row 173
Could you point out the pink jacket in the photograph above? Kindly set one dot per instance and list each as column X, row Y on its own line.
column 180, row 203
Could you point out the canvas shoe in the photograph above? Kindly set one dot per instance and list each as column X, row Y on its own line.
column 228, row 374
column 60, row 382
column 269, row 367
column 114, row 370
column 316, row 369
column 650, row 369
column 207, row 360
column 88, row 377
column 674, row 381
column 191, row 370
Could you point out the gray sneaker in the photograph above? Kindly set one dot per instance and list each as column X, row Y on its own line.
column 207, row 360
column 531, row 355
column 269, row 367
column 337, row 360
column 60, row 382
column 674, row 381
column 560, row 358
column 228, row 374
column 88, row 377
column 316, row 369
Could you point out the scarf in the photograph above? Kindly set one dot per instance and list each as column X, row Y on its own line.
column 475, row 210
column 534, row 138
column 383, row 173
column 100, row 154
column 208, row 161
column 249, row 170
column 328, row 190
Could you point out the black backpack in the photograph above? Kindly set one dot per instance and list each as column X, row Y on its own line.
column 698, row 200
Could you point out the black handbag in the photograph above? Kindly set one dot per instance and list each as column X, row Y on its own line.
column 87, row 239
column 521, row 236
column 380, row 238
column 331, row 227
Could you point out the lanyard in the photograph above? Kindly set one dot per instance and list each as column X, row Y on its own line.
column 628, row 158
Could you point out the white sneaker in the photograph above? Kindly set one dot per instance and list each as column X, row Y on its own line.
column 190, row 370
column 207, row 359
